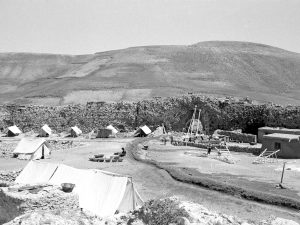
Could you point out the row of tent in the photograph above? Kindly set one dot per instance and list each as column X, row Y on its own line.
column 39, row 148
column 46, row 131
column 100, row 192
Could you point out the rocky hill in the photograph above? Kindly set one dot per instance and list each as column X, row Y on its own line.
column 242, row 69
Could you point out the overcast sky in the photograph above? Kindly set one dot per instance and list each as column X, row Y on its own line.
column 89, row 26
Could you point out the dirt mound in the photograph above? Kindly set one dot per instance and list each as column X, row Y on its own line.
column 160, row 211
column 69, row 217
column 17, row 200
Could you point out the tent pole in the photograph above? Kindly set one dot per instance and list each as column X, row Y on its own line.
column 198, row 122
column 133, row 196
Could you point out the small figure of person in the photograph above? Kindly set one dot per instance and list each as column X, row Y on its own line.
column 171, row 139
column 123, row 153
column 209, row 148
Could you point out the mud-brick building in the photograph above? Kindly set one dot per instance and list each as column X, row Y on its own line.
column 289, row 145
column 271, row 130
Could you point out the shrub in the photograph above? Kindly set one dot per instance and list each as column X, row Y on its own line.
column 161, row 211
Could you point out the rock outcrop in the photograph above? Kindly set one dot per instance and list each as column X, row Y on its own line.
column 174, row 112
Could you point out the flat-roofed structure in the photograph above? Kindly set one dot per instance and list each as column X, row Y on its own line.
column 271, row 130
column 289, row 145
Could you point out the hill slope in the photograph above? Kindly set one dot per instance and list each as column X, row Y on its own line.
column 259, row 71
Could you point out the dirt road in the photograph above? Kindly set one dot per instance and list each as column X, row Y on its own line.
column 152, row 182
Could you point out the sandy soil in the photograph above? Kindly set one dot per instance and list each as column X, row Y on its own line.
column 242, row 167
column 152, row 182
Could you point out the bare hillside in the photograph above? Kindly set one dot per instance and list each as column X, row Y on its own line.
column 259, row 71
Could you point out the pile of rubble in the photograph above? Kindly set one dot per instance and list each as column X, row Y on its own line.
column 61, row 217
column 9, row 176
column 168, row 211
column 18, row 200
column 6, row 149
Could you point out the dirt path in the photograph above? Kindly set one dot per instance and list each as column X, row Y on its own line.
column 156, row 183
column 152, row 182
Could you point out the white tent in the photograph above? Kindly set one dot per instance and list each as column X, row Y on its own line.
column 13, row 131
column 142, row 131
column 36, row 172
column 45, row 131
column 113, row 130
column 32, row 149
column 75, row 131
column 100, row 192
column 159, row 131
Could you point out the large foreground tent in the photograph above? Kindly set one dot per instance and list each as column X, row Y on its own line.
column 142, row 131
column 75, row 131
column 32, row 149
column 45, row 131
column 13, row 131
column 100, row 192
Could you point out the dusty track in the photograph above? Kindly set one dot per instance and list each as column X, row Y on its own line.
column 161, row 182
column 153, row 182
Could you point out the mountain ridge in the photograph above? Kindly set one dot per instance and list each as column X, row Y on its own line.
column 241, row 69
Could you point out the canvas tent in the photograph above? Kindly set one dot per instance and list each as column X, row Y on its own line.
column 32, row 149
column 159, row 131
column 104, row 133
column 142, row 131
column 107, row 132
column 100, row 192
column 13, row 131
column 75, row 131
column 114, row 131
column 45, row 131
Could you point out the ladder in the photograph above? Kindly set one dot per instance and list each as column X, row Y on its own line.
column 266, row 157
column 222, row 151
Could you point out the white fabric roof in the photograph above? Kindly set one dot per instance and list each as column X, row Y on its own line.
column 14, row 129
column 145, row 129
column 114, row 130
column 76, row 130
column 99, row 191
column 28, row 146
column 47, row 129
column 36, row 172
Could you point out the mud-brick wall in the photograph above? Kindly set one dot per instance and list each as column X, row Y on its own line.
column 239, row 137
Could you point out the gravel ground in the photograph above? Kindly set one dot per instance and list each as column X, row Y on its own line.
column 152, row 182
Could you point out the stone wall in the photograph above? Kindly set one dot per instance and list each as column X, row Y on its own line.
column 238, row 137
column 174, row 112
